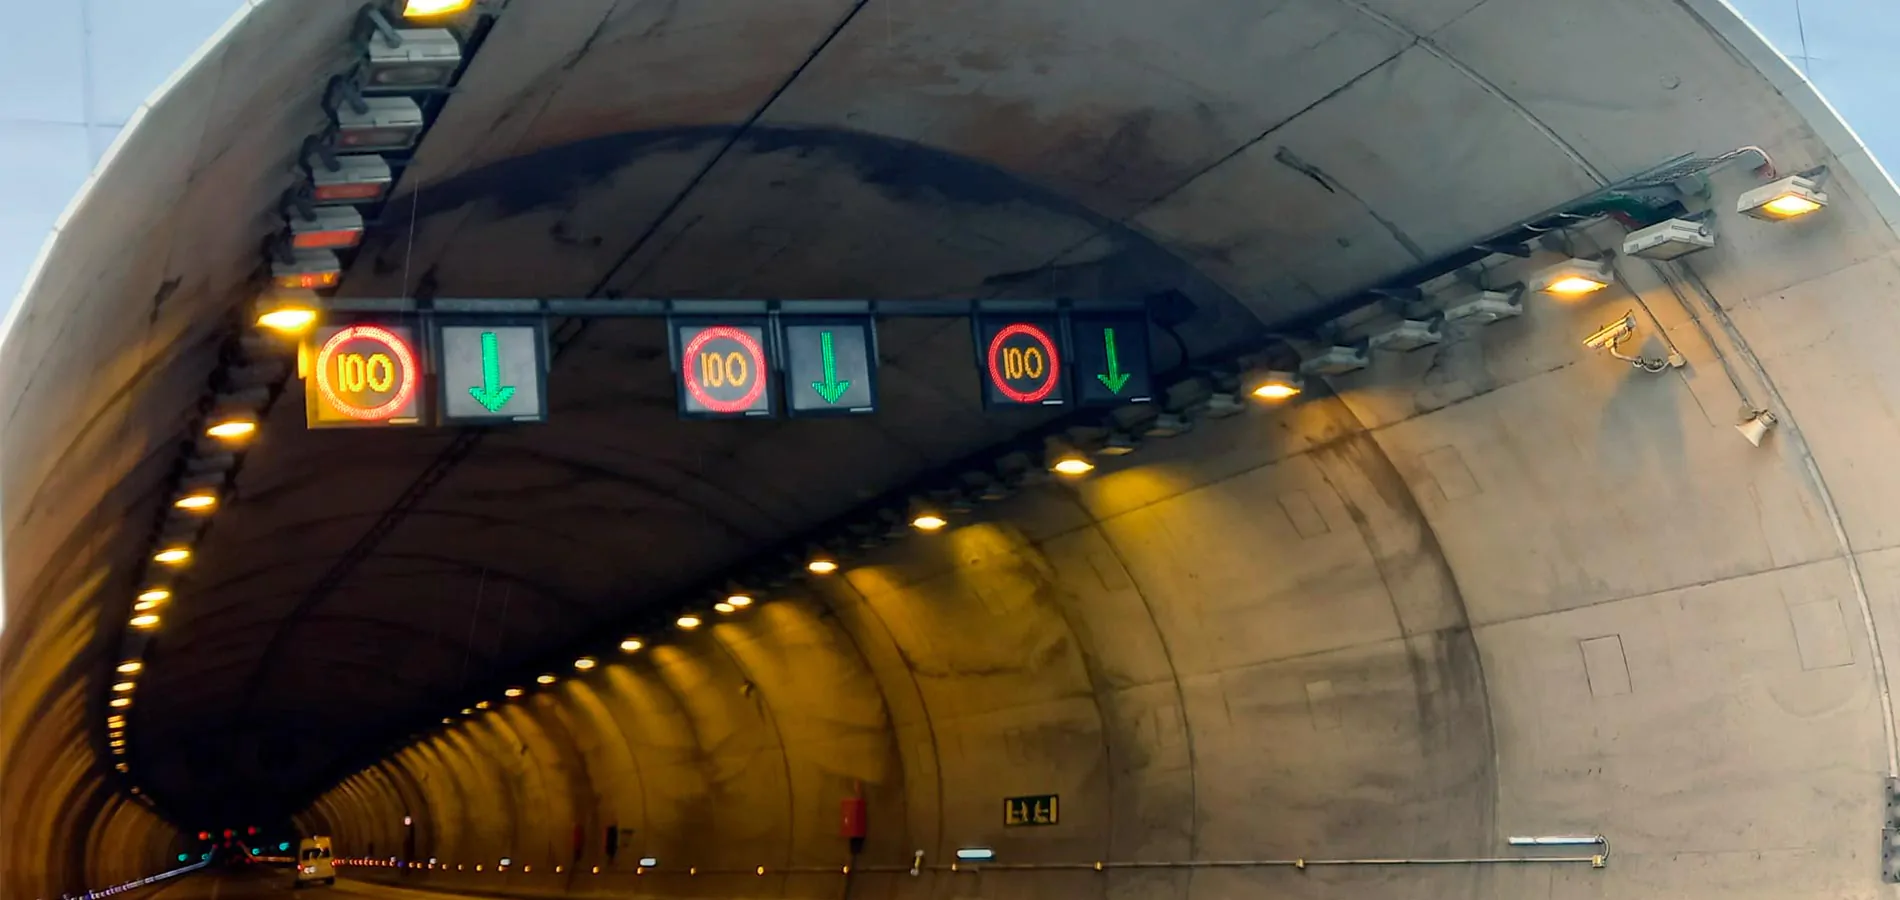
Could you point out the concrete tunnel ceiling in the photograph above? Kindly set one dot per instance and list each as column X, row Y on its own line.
column 1262, row 163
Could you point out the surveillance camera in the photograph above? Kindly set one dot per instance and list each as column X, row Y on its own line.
column 1610, row 335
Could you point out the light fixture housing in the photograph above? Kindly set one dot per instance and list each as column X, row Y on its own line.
column 121, row 702
column 1573, row 278
column 631, row 645
column 1272, row 385
column 352, row 178
column 482, row 705
column 688, row 621
column 975, row 854
column 124, row 687
column 1118, row 443
column 1336, row 360
column 821, row 563
column 1669, row 239
column 545, row 679
column 420, row 59
column 585, row 663
column 306, row 270
column 288, row 311
column 1485, row 307
column 130, row 666
column 724, row 608
column 513, row 692
column 154, row 595
column 740, row 599
column 379, row 124
column 327, row 228
column 1167, row 425
column 1788, row 198
column 1408, row 335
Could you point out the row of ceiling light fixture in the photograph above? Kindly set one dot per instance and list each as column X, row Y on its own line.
column 1271, row 378
column 375, row 113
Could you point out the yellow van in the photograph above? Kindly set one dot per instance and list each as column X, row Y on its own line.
column 314, row 863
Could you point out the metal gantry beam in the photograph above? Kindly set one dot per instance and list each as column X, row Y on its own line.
column 661, row 307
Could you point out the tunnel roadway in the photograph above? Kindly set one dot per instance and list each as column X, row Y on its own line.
column 274, row 883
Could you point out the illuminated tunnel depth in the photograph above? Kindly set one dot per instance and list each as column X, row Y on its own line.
column 1501, row 585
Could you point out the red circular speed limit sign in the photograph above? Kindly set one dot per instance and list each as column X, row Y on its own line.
column 367, row 372
column 1023, row 363
column 724, row 368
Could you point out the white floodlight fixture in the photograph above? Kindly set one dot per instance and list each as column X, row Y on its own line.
column 1573, row 278
column 1220, row 405
column 357, row 178
column 1409, row 334
column 411, row 59
column 1335, row 360
column 376, row 124
column 1788, row 198
column 307, row 270
column 1669, row 239
column 975, row 854
column 326, row 228
column 1485, row 307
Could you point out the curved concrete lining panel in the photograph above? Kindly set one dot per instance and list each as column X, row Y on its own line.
column 1503, row 585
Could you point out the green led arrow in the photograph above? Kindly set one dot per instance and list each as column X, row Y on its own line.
column 1114, row 379
column 831, row 388
column 488, row 394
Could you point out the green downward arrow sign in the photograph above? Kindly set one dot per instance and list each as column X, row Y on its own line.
column 1114, row 379
column 489, row 394
column 831, row 388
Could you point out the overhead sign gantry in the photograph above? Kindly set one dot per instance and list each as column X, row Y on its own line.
column 485, row 362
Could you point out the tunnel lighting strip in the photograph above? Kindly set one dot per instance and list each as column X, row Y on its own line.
column 1595, row 861
column 251, row 373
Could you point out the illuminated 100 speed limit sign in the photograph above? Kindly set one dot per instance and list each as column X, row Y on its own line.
column 1022, row 361
column 724, row 368
column 362, row 374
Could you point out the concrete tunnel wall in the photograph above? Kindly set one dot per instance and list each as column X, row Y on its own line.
column 1448, row 559
column 1507, row 586
column 63, row 824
